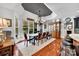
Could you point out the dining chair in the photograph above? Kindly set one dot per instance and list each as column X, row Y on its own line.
column 47, row 35
column 26, row 40
column 44, row 35
column 39, row 38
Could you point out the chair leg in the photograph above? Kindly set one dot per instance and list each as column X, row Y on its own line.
column 34, row 41
column 26, row 43
column 38, row 42
column 41, row 41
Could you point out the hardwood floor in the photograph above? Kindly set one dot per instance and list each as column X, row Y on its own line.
column 53, row 49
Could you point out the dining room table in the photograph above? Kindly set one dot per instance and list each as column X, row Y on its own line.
column 32, row 36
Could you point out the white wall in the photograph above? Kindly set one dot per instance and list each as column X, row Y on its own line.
column 64, row 30
column 6, row 13
column 11, row 13
column 46, row 29
column 51, row 16
column 26, row 15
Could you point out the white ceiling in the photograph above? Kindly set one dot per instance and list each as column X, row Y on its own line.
column 13, row 6
column 64, row 9
column 60, row 9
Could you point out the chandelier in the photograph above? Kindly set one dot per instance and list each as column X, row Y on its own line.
column 39, row 17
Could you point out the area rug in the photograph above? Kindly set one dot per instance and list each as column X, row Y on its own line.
column 67, row 51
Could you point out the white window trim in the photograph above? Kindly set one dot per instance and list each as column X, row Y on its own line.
column 33, row 27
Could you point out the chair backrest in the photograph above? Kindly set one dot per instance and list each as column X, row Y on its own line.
column 44, row 34
column 39, row 34
column 47, row 33
column 25, row 36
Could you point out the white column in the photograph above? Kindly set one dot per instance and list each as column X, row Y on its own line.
column 38, row 29
column 72, row 24
column 48, row 28
column 20, row 26
column 14, row 31
column 43, row 28
column 28, row 26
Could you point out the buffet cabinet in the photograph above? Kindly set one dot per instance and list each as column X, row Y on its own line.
column 52, row 49
column 7, row 51
column 7, row 48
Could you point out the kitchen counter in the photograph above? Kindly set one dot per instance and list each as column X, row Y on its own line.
column 31, row 49
column 75, row 37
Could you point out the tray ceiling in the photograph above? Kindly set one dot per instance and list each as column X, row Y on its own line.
column 37, row 8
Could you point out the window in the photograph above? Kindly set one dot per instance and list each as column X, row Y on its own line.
column 31, row 26
column 35, row 27
column 25, row 26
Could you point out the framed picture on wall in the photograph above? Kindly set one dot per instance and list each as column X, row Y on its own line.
column 5, row 22
column 9, row 22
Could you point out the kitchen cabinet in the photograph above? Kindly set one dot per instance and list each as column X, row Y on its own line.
column 7, row 51
column 56, row 29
